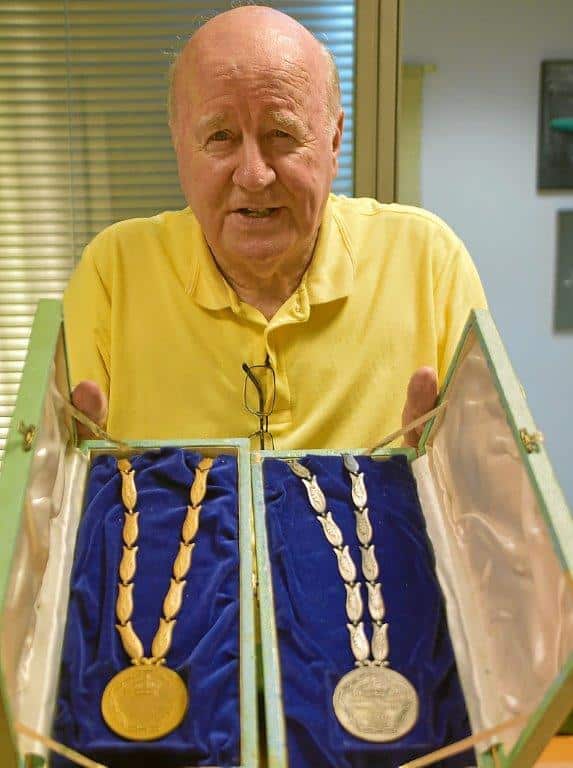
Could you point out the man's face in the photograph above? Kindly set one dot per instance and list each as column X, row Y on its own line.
column 257, row 151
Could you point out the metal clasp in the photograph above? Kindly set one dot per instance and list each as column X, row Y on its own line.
column 28, row 432
column 531, row 440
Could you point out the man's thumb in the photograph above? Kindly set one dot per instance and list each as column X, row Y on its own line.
column 89, row 399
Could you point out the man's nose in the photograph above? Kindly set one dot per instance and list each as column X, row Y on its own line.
column 253, row 171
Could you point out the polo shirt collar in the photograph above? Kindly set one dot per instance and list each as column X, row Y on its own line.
column 331, row 272
column 206, row 284
column 329, row 277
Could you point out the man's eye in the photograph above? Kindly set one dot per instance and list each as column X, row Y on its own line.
column 277, row 133
column 219, row 136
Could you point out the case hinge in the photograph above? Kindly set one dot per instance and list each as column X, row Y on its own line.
column 28, row 432
column 531, row 440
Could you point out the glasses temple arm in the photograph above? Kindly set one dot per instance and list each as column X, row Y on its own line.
column 256, row 383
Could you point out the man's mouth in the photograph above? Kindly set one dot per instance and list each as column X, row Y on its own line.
column 256, row 213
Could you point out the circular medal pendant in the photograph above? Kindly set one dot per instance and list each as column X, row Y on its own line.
column 144, row 702
column 376, row 704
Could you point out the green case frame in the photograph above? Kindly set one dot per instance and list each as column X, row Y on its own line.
column 14, row 480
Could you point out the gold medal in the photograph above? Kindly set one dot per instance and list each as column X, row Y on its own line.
column 376, row 704
column 147, row 701
column 144, row 702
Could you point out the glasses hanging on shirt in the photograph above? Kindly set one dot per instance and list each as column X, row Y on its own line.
column 259, row 399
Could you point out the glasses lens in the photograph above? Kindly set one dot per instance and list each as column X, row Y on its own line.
column 260, row 396
column 262, row 441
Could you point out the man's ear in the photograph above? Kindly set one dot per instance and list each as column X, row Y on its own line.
column 337, row 139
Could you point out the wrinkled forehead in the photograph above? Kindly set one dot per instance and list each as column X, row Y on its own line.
column 273, row 68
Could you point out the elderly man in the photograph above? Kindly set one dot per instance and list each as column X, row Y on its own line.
column 332, row 308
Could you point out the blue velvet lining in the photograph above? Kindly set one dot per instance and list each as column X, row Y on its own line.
column 205, row 648
column 311, row 618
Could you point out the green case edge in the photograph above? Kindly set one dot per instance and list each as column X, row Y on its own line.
column 545, row 720
column 14, row 475
column 28, row 409
column 248, row 684
column 276, row 741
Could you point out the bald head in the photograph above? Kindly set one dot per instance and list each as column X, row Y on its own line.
column 260, row 32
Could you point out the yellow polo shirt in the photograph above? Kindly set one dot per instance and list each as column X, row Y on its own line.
column 150, row 318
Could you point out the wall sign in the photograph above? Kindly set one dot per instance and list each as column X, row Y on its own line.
column 555, row 154
column 563, row 319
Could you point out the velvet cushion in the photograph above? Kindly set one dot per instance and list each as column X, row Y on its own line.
column 205, row 647
column 309, row 597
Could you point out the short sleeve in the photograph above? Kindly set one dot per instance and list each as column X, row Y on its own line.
column 87, row 321
column 458, row 290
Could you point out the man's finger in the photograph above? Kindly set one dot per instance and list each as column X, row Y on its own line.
column 420, row 398
column 89, row 399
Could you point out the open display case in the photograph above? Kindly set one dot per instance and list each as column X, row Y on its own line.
column 501, row 536
column 471, row 534
column 63, row 540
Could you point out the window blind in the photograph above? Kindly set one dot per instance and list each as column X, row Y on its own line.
column 84, row 139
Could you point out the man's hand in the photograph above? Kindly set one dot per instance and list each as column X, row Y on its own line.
column 89, row 399
column 421, row 398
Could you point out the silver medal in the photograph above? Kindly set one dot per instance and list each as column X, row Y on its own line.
column 372, row 702
column 376, row 704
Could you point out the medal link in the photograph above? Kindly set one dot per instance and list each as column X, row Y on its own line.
column 128, row 566
column 370, row 569
column 378, row 649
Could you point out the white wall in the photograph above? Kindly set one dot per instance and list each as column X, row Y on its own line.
column 478, row 171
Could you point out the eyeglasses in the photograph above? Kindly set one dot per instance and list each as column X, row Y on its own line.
column 259, row 399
